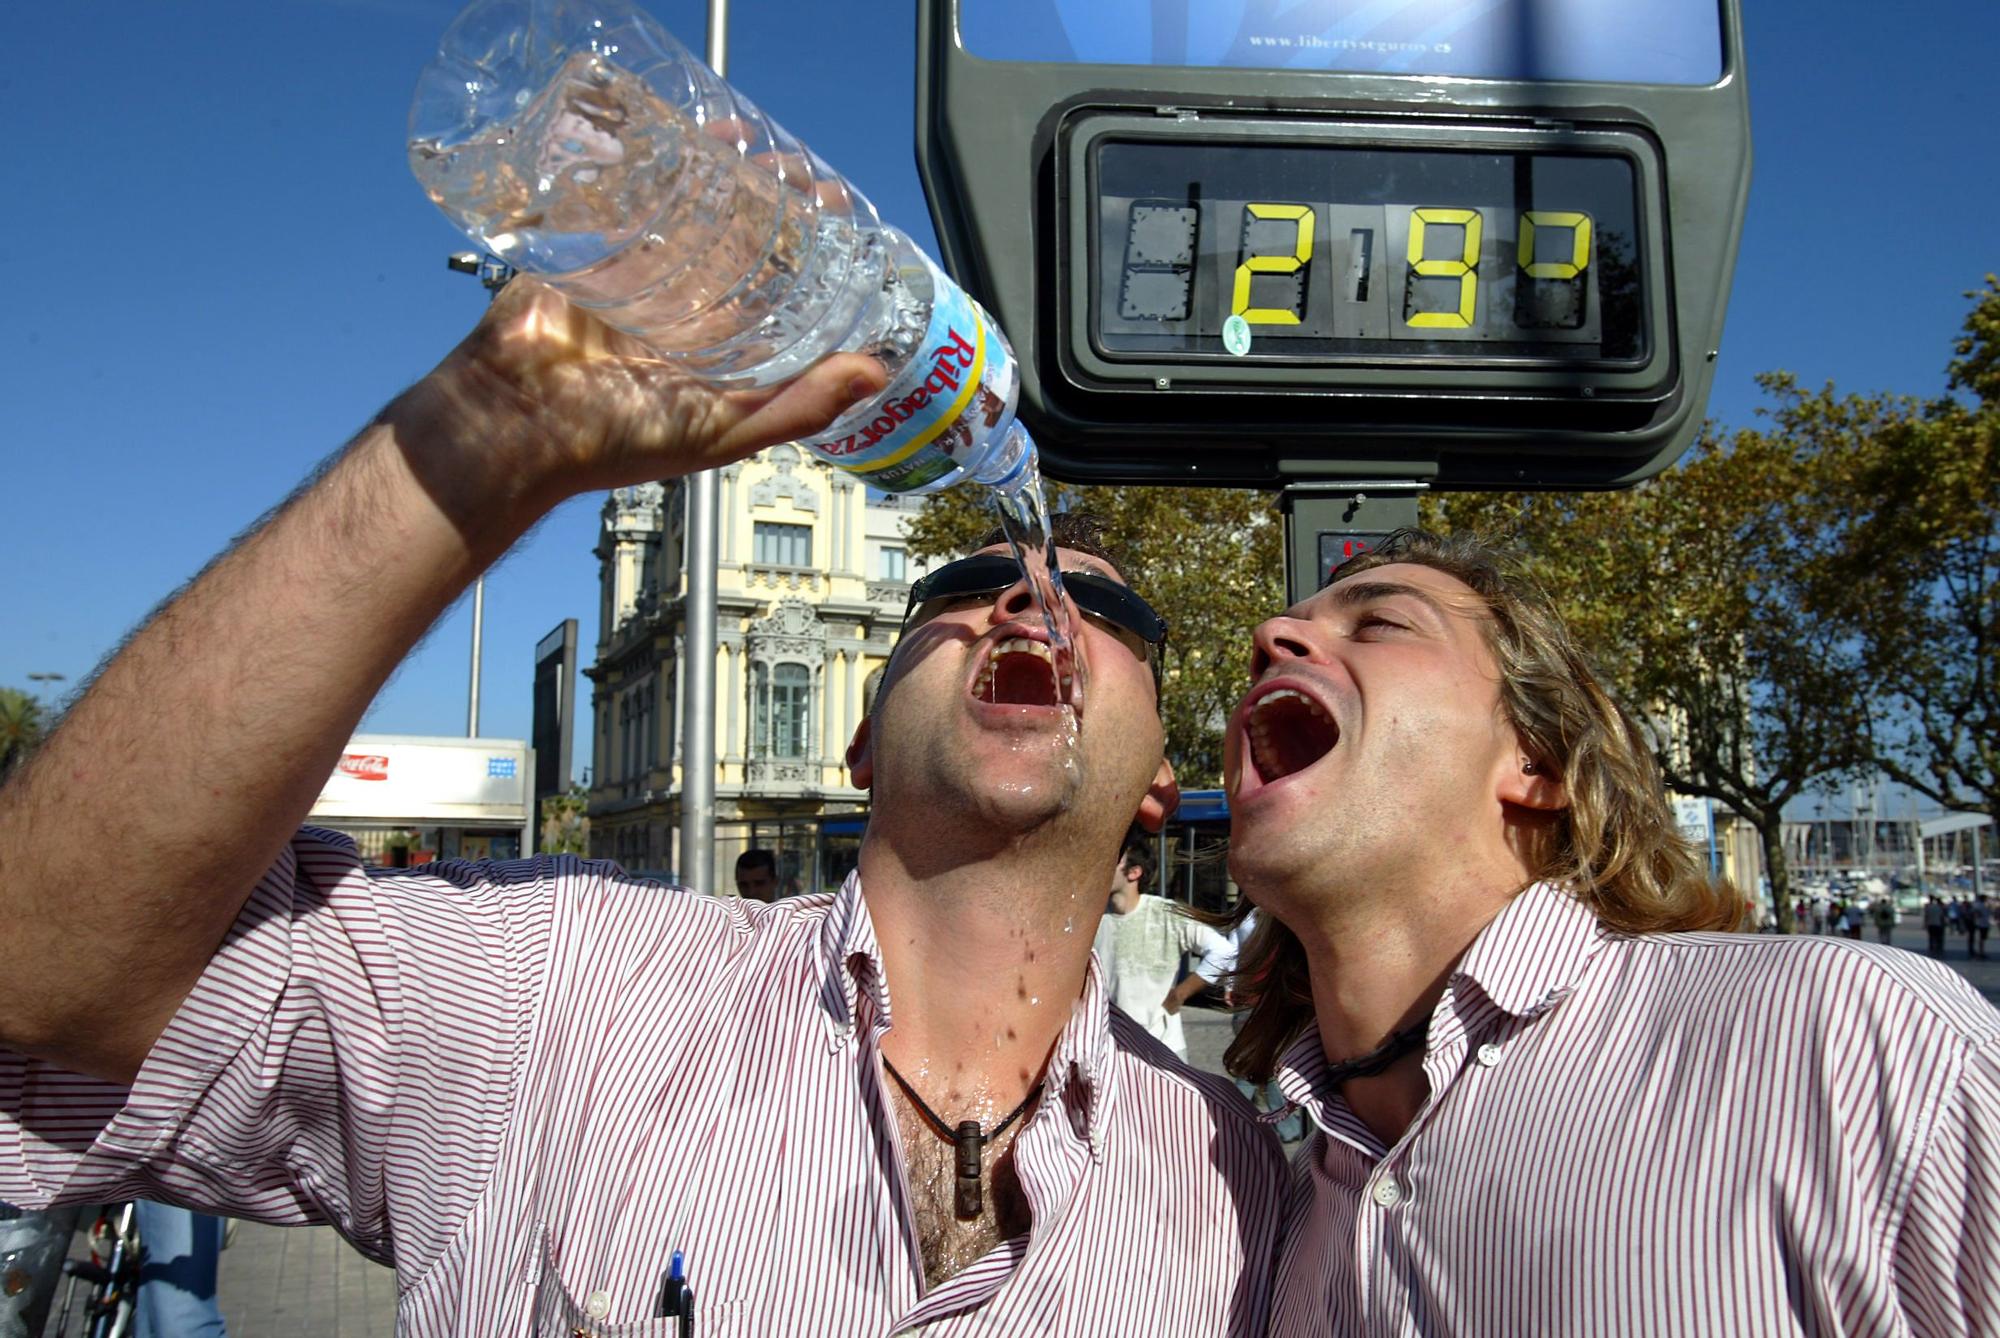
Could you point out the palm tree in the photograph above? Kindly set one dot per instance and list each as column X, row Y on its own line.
column 20, row 728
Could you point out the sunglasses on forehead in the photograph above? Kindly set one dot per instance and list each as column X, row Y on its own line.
column 988, row 574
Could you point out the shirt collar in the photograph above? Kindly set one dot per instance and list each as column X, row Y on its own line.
column 1528, row 959
column 1081, row 1074
column 850, row 964
column 1534, row 952
column 1082, row 1077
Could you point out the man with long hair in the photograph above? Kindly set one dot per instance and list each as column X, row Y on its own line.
column 1553, row 1094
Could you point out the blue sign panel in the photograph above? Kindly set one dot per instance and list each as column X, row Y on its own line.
column 1612, row 41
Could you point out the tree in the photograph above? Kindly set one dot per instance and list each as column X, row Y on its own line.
column 1691, row 593
column 1210, row 560
column 1917, row 577
column 566, row 822
column 21, row 728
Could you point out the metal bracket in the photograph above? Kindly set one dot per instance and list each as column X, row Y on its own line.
column 1327, row 523
column 491, row 271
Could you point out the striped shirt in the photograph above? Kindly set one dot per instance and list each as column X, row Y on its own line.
column 1665, row 1134
column 523, row 1085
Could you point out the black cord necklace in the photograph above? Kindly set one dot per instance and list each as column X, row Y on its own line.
column 968, row 1141
column 1381, row 1057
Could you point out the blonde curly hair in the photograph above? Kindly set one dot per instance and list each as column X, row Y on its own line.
column 1616, row 846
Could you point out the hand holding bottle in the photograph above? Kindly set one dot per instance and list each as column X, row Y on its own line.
column 542, row 401
column 581, row 142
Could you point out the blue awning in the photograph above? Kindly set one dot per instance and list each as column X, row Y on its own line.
column 1202, row 806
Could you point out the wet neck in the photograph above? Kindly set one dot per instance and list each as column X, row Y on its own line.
column 984, row 964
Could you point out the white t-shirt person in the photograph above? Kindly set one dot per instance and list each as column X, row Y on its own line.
column 1140, row 946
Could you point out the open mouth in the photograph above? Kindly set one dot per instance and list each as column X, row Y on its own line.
column 1020, row 672
column 1288, row 731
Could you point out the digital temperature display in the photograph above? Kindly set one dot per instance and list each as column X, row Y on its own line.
column 1381, row 255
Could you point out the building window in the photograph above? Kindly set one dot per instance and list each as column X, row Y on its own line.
column 780, row 711
column 895, row 564
column 781, row 545
column 648, row 728
column 638, row 730
column 624, row 736
column 791, row 692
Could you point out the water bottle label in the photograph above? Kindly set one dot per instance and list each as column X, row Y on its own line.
column 915, row 431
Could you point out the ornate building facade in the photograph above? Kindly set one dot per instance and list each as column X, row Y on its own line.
column 810, row 591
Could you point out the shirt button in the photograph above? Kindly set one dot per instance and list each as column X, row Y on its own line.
column 1489, row 1055
column 1387, row 1192
column 597, row 1305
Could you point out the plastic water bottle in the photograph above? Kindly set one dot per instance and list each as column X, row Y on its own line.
column 578, row 141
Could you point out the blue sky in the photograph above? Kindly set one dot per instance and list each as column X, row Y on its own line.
column 221, row 266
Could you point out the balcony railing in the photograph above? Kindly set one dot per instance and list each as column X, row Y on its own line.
column 794, row 774
column 782, row 578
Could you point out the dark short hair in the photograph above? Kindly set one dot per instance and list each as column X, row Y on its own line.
column 1141, row 853
column 757, row 859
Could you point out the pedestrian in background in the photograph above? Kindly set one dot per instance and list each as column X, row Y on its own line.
column 757, row 875
column 1884, row 911
column 1145, row 944
column 1934, row 925
column 177, row 1273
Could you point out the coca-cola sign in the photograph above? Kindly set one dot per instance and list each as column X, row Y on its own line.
column 365, row 766
column 387, row 780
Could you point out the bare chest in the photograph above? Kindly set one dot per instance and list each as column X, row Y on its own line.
column 948, row 1239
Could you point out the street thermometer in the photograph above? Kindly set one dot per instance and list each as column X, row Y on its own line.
column 1342, row 247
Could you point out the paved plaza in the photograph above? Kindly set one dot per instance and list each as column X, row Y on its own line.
column 307, row 1283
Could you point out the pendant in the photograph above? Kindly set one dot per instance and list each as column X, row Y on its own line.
column 969, row 1144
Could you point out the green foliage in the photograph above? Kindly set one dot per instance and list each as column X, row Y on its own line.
column 1916, row 578
column 21, row 728
column 566, row 822
column 1816, row 596
column 1976, row 366
column 1209, row 559
column 1691, row 592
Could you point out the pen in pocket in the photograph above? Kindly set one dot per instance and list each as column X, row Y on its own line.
column 676, row 1300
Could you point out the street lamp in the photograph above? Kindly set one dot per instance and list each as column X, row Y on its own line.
column 493, row 273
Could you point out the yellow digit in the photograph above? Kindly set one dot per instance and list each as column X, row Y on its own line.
column 1301, row 253
column 1579, row 251
column 1464, row 269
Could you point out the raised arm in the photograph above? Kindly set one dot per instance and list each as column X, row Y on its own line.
column 1215, row 954
column 132, row 839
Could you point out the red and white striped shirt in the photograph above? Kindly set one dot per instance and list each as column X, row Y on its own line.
column 1668, row 1134
column 524, row 1085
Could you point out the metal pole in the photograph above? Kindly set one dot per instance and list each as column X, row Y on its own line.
column 1978, row 874
column 697, row 853
column 1917, row 834
column 493, row 275
column 478, row 630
